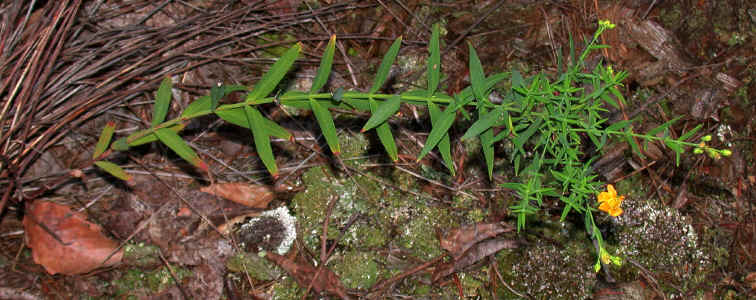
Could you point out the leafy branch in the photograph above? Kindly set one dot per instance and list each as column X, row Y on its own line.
column 544, row 123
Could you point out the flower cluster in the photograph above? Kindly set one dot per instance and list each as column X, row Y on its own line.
column 711, row 152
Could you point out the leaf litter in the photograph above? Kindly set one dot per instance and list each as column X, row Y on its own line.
column 65, row 241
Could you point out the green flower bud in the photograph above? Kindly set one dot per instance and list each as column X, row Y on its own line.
column 726, row 152
column 706, row 138
column 698, row 151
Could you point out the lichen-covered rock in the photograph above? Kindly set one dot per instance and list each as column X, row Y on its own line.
column 545, row 271
column 662, row 240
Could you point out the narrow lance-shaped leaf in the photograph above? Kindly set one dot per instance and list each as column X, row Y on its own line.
column 444, row 146
column 262, row 139
column 326, row 126
column 325, row 66
column 105, row 136
column 162, row 101
column 200, row 104
column 382, row 112
column 385, row 67
column 619, row 125
column 238, row 117
column 270, row 80
column 477, row 77
column 434, row 61
column 486, row 143
column 113, row 169
column 276, row 130
column 439, row 130
column 690, row 133
column 216, row 93
column 384, row 132
column 661, row 127
column 180, row 147
column 523, row 137
column 485, row 122
column 149, row 138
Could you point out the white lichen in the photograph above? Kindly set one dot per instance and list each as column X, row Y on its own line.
column 289, row 223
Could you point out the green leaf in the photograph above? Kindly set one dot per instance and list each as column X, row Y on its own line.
column 609, row 100
column 444, row 146
column 262, row 139
column 619, row 126
column 276, row 130
column 105, row 136
column 162, row 101
column 113, row 169
column 385, row 67
column 201, row 104
column 486, row 143
column 384, row 133
column 325, row 66
column 434, row 61
column 216, row 93
column 617, row 94
column 439, row 130
column 477, row 77
column 338, row 94
column 326, row 126
column 383, row 112
column 633, row 145
column 270, row 80
column 228, row 89
column 149, row 138
column 690, row 133
column 517, row 79
column 661, row 127
column 485, row 122
column 490, row 82
column 675, row 147
column 120, row 145
column 171, row 139
column 238, row 117
column 523, row 137
column 234, row 116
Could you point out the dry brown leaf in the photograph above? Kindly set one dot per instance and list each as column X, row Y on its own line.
column 458, row 240
column 750, row 279
column 72, row 245
column 304, row 273
column 251, row 195
column 474, row 254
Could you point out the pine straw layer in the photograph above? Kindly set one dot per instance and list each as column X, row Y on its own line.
column 65, row 62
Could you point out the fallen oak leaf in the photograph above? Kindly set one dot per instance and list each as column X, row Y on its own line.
column 64, row 241
column 471, row 256
column 304, row 274
column 250, row 195
column 459, row 240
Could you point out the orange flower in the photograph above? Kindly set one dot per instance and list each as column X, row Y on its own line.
column 610, row 202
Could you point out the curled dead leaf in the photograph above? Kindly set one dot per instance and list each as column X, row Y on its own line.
column 251, row 195
column 64, row 241
column 459, row 240
column 474, row 254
